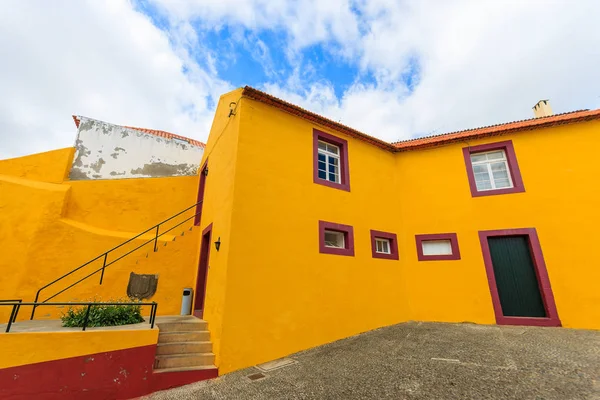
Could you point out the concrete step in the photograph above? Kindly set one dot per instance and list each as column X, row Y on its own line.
column 182, row 369
column 183, row 348
column 185, row 360
column 186, row 325
column 183, row 337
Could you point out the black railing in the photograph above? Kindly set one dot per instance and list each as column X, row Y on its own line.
column 104, row 256
column 13, row 318
column 16, row 306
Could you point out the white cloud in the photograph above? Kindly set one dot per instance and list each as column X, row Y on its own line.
column 99, row 59
column 477, row 63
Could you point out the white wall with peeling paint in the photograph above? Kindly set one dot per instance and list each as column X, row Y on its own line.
column 107, row 151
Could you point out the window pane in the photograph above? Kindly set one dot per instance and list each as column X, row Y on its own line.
column 322, row 146
column 334, row 239
column 322, row 157
column 322, row 166
column 382, row 246
column 500, row 174
column 322, row 174
column 496, row 155
column 333, row 149
column 333, row 160
column 478, row 157
column 333, row 177
column 436, row 247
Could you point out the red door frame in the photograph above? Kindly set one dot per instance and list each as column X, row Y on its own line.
column 540, row 272
column 201, row 193
column 202, row 271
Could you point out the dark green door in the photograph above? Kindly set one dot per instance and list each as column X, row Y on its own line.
column 516, row 280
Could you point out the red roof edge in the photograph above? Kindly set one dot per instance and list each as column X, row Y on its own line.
column 290, row 108
column 500, row 129
column 424, row 142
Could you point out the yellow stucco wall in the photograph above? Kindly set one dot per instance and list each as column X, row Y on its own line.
column 52, row 228
column 34, row 347
column 559, row 202
column 282, row 295
column 50, row 166
column 221, row 153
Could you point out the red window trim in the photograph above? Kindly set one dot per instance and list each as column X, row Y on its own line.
column 540, row 271
column 344, row 170
column 393, row 245
column 349, row 238
column 513, row 167
column 438, row 236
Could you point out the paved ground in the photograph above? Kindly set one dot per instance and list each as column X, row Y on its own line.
column 427, row 361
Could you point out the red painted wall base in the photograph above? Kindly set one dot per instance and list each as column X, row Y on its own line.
column 121, row 374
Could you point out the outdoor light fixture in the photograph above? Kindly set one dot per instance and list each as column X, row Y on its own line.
column 218, row 244
column 232, row 109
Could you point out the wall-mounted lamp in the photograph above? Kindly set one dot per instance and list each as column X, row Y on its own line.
column 206, row 171
column 218, row 244
column 232, row 109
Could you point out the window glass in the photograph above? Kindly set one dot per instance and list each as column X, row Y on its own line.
column 334, row 239
column 328, row 162
column 490, row 170
column 436, row 247
column 382, row 246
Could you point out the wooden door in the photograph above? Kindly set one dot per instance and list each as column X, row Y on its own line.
column 202, row 272
column 516, row 279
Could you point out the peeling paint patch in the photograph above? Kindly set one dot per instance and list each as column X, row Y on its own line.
column 78, row 175
column 162, row 169
column 97, row 166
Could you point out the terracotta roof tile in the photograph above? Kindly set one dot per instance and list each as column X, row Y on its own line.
column 163, row 134
column 429, row 141
column 494, row 130
column 168, row 135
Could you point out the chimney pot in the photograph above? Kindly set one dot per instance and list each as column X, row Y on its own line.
column 542, row 109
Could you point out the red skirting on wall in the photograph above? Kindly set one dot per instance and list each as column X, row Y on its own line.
column 121, row 374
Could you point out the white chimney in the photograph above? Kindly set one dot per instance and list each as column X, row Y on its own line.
column 542, row 109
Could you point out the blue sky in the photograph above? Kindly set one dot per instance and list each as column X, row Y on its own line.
column 394, row 69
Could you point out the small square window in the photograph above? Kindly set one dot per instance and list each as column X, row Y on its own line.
column 441, row 246
column 335, row 239
column 384, row 245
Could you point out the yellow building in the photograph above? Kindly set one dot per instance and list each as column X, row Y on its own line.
column 309, row 231
column 326, row 232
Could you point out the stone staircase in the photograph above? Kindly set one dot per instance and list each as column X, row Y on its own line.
column 183, row 345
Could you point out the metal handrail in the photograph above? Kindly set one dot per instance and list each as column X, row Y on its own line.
column 105, row 256
column 16, row 306
column 20, row 301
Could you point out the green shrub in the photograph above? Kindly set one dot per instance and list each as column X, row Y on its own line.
column 102, row 315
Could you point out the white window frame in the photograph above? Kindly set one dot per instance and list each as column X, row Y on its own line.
column 343, row 234
column 388, row 243
column 488, row 164
column 328, row 154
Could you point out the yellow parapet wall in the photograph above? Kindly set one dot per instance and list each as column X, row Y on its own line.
column 50, row 166
column 22, row 348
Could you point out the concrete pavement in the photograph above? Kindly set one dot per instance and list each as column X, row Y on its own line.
column 426, row 361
